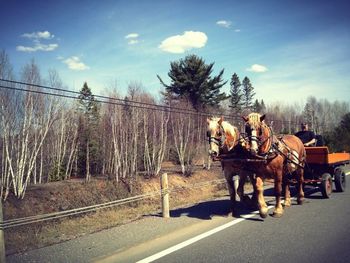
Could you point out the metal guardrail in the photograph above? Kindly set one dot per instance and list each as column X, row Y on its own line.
column 11, row 223
column 163, row 192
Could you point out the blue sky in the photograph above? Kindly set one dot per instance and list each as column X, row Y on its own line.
column 289, row 49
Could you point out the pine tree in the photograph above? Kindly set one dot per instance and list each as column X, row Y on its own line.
column 248, row 93
column 263, row 106
column 235, row 94
column 308, row 114
column 89, row 150
column 191, row 79
column 257, row 106
column 339, row 139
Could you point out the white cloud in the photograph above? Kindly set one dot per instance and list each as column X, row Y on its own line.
column 38, row 35
column 224, row 23
column 181, row 43
column 133, row 41
column 37, row 47
column 74, row 63
column 133, row 38
column 237, row 30
column 257, row 68
column 132, row 35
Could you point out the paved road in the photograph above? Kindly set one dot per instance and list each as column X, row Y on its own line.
column 318, row 232
column 315, row 232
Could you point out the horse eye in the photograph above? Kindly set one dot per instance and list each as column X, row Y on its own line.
column 218, row 133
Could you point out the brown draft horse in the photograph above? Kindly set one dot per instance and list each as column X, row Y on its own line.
column 281, row 158
column 224, row 139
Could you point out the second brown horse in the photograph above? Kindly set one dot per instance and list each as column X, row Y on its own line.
column 282, row 158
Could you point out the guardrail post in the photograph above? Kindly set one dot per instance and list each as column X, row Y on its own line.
column 2, row 239
column 165, row 195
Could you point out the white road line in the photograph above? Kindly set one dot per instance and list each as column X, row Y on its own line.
column 201, row 236
column 197, row 238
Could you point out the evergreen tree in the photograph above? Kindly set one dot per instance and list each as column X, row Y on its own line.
column 339, row 139
column 248, row 93
column 235, row 94
column 263, row 106
column 88, row 105
column 257, row 106
column 89, row 150
column 308, row 114
column 191, row 79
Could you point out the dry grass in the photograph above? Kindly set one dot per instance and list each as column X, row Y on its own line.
column 43, row 234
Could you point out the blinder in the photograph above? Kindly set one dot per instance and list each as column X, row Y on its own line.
column 218, row 139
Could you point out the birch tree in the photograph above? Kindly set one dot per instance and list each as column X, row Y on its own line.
column 26, row 125
column 183, row 134
column 155, row 135
column 7, row 123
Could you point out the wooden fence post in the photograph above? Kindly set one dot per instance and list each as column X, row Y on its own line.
column 2, row 238
column 165, row 195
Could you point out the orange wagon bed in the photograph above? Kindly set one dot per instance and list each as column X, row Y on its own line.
column 321, row 155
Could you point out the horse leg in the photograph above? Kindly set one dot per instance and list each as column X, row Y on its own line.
column 287, row 200
column 259, row 186
column 301, row 195
column 254, row 201
column 231, row 189
column 240, row 189
column 278, row 212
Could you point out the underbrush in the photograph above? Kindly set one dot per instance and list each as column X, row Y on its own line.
column 66, row 195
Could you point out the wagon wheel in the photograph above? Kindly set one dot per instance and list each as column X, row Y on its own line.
column 326, row 185
column 340, row 179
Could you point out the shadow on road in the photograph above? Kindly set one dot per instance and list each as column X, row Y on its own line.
column 208, row 209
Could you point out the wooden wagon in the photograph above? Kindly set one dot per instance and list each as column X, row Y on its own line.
column 323, row 168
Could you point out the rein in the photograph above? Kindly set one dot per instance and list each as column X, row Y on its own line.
column 216, row 140
column 220, row 141
column 269, row 139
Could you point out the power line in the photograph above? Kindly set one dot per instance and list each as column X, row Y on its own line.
column 170, row 110
column 124, row 102
column 120, row 102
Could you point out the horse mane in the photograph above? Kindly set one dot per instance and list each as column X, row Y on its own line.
column 254, row 119
column 231, row 133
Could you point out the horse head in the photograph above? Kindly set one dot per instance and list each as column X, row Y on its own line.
column 258, row 133
column 222, row 136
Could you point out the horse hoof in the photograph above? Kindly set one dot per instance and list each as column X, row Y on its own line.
column 277, row 215
column 287, row 203
column 263, row 211
column 300, row 201
column 263, row 215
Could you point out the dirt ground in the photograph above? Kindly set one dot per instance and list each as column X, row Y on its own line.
column 75, row 193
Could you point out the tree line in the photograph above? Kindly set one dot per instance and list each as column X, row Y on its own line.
column 49, row 138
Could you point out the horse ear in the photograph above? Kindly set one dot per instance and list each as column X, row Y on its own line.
column 245, row 118
column 208, row 120
column 262, row 117
column 221, row 120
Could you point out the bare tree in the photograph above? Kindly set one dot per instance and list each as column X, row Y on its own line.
column 26, row 125
column 183, row 134
column 7, row 122
column 155, row 133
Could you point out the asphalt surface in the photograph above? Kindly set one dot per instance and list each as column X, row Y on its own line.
column 317, row 231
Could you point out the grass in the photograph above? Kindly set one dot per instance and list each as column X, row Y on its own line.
column 59, row 230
